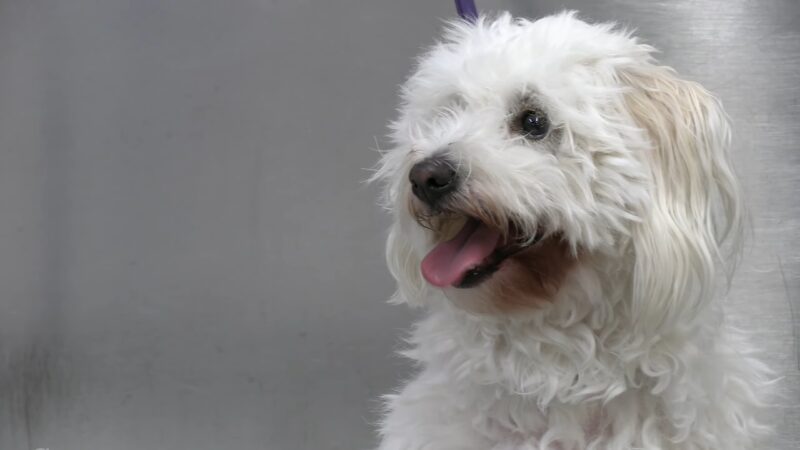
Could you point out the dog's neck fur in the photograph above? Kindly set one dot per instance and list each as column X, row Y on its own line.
column 577, row 357
column 574, row 349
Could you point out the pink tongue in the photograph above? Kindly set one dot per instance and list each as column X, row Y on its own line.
column 449, row 261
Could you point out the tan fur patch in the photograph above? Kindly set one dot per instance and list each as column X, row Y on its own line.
column 532, row 277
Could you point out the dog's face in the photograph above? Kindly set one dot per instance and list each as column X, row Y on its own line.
column 523, row 148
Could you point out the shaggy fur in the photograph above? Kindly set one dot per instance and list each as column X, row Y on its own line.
column 609, row 334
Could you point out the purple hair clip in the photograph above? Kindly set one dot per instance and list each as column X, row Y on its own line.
column 467, row 10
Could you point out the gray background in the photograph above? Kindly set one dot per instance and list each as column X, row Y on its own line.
column 188, row 257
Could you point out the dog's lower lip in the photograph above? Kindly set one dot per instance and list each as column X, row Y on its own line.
column 492, row 264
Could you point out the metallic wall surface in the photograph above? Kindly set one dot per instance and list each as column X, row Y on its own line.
column 188, row 256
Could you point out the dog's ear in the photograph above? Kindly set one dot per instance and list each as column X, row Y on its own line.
column 403, row 264
column 696, row 203
column 401, row 258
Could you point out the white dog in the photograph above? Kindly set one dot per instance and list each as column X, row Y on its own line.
column 563, row 208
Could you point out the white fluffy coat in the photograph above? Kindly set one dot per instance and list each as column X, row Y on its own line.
column 633, row 351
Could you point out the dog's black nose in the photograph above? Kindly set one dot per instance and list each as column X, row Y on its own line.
column 433, row 178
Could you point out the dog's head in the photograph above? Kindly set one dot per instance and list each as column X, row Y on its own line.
column 525, row 148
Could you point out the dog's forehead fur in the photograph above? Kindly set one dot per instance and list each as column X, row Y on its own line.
column 492, row 61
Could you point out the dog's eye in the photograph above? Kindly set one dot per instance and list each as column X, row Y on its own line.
column 534, row 124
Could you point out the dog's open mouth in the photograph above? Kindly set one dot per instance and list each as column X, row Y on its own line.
column 472, row 255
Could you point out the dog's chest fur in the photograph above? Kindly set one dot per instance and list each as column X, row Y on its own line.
column 563, row 378
column 525, row 381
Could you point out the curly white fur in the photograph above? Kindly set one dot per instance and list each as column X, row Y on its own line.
column 632, row 352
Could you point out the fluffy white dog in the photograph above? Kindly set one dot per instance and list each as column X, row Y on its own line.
column 564, row 208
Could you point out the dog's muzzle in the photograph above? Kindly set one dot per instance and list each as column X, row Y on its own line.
column 433, row 179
